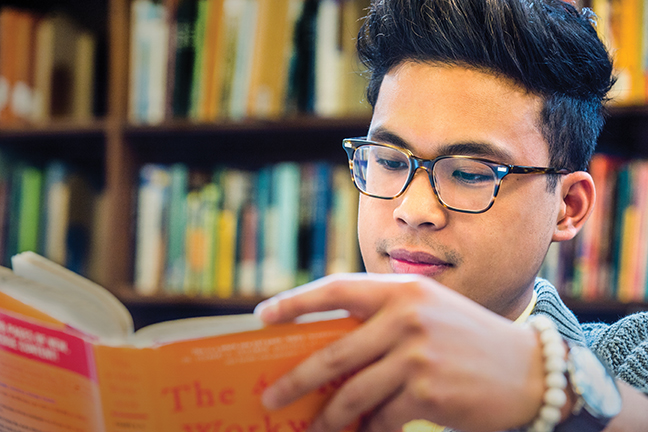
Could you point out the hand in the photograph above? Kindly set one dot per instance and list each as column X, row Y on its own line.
column 423, row 352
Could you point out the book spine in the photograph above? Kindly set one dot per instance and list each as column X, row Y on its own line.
column 30, row 200
column 153, row 199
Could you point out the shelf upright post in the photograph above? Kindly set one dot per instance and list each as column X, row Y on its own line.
column 119, row 155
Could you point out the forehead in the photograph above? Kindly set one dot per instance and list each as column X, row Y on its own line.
column 430, row 107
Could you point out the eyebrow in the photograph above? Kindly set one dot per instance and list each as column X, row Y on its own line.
column 464, row 148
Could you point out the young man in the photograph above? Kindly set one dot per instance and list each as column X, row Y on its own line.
column 486, row 113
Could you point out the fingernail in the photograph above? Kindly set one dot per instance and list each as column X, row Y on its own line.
column 269, row 399
column 267, row 310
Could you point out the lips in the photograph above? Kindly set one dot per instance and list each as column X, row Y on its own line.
column 405, row 261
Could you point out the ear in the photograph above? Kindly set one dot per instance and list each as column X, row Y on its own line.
column 578, row 195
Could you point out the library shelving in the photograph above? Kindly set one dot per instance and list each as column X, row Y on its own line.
column 111, row 147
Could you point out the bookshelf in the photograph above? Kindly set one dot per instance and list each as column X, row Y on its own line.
column 114, row 149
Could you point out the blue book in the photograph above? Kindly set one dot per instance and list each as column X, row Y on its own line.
column 321, row 205
column 286, row 185
column 175, row 221
column 263, row 184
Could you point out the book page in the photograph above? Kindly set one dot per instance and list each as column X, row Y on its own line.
column 202, row 327
column 67, row 297
column 48, row 380
column 193, row 328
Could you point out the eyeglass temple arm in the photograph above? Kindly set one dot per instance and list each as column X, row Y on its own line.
column 515, row 169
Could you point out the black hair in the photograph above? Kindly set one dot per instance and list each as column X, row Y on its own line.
column 547, row 47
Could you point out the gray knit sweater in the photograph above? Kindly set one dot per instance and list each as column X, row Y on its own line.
column 622, row 345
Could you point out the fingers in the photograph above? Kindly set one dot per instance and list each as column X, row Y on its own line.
column 361, row 294
column 356, row 350
column 362, row 393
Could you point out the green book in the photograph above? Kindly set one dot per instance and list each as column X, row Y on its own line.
column 29, row 209
column 210, row 196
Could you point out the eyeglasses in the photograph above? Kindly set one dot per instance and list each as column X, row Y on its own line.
column 461, row 183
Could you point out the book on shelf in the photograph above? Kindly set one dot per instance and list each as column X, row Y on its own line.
column 153, row 202
column 230, row 59
column 70, row 360
column 16, row 47
column 149, row 52
column 607, row 259
column 239, row 232
column 47, row 67
column 51, row 209
column 623, row 26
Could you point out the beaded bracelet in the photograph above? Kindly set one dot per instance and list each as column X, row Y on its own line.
column 555, row 366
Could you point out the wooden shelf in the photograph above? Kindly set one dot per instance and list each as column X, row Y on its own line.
column 128, row 296
column 250, row 143
column 164, row 307
column 55, row 129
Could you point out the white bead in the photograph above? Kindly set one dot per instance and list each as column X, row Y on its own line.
column 542, row 323
column 555, row 364
column 550, row 414
column 541, row 426
column 555, row 397
column 550, row 336
column 556, row 380
column 554, row 349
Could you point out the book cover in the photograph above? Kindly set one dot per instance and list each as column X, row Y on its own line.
column 6, row 174
column 321, row 204
column 43, row 69
column 623, row 199
column 149, row 50
column 233, row 13
column 84, row 77
column 88, row 371
column 62, row 75
column 196, row 239
column 21, row 89
column 246, row 271
column 236, row 187
column 197, row 79
column 212, row 61
column 281, row 227
column 9, row 21
column 31, row 182
column 211, row 196
column 264, row 182
column 152, row 202
column 343, row 254
column 56, row 212
column 328, row 60
column 184, row 57
column 270, row 61
column 243, row 63
column 176, row 227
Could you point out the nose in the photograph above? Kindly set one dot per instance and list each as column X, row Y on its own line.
column 419, row 206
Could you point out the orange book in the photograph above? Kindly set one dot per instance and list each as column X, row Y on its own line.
column 270, row 63
column 9, row 22
column 212, row 59
column 70, row 361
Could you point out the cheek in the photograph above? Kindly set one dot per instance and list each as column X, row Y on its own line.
column 517, row 236
column 373, row 220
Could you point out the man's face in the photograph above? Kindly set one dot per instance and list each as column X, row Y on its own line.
column 491, row 257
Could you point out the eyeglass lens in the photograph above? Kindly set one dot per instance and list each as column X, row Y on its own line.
column 462, row 184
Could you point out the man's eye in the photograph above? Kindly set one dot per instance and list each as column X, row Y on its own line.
column 471, row 178
column 392, row 164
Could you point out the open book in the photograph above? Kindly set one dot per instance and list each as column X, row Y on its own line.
column 70, row 361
